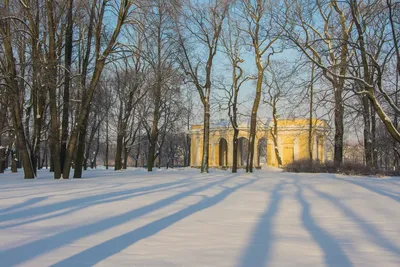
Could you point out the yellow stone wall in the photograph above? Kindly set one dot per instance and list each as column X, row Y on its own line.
column 292, row 142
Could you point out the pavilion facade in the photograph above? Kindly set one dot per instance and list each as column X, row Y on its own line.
column 293, row 136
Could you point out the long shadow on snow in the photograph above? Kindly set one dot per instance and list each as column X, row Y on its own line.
column 259, row 249
column 21, row 184
column 80, row 207
column 33, row 249
column 24, row 204
column 367, row 228
column 66, row 191
column 333, row 253
column 374, row 189
column 96, row 254
column 76, row 202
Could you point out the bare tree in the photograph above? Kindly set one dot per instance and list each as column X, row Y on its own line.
column 67, row 80
column 130, row 91
column 278, row 82
column 232, row 41
column 11, row 77
column 100, row 60
column 326, row 44
column 199, row 27
column 159, row 51
column 264, row 35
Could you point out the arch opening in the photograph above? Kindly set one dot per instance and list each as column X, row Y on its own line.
column 223, row 152
column 243, row 147
column 262, row 152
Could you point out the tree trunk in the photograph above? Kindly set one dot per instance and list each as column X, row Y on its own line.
column 138, row 151
column 159, row 158
column 52, row 89
column 67, row 80
column 54, row 135
column 373, row 143
column 16, row 110
column 396, row 124
column 206, row 137
column 93, row 130
column 126, row 153
column 150, row 157
column 310, row 129
column 14, row 163
column 339, row 128
column 256, row 103
column 368, row 152
column 253, row 120
column 107, row 141
column 98, row 68
column 274, row 133
column 156, row 114
column 2, row 159
column 80, row 154
column 235, row 150
column 118, row 155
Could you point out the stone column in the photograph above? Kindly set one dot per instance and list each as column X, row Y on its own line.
column 229, row 140
column 315, row 147
column 212, row 153
column 255, row 159
column 199, row 151
column 296, row 148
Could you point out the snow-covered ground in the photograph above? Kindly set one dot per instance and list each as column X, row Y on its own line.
column 183, row 218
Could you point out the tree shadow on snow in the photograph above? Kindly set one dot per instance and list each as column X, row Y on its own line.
column 81, row 202
column 20, row 254
column 103, row 201
column 333, row 253
column 374, row 189
column 26, row 203
column 369, row 230
column 258, row 251
column 98, row 253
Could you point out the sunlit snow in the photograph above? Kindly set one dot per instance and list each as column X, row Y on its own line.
column 184, row 218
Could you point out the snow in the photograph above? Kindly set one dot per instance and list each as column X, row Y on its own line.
column 183, row 218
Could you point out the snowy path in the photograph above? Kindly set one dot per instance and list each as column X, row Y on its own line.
column 183, row 218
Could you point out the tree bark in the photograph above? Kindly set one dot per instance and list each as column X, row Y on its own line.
column 368, row 150
column 120, row 138
column 206, row 139
column 99, row 66
column 274, row 133
column 2, row 159
column 107, row 141
column 253, row 120
column 235, row 150
column 52, row 82
column 16, row 108
column 154, row 131
column 310, row 126
column 118, row 155
column 67, row 81
column 80, row 154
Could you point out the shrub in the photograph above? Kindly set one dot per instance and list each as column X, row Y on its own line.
column 310, row 166
column 347, row 168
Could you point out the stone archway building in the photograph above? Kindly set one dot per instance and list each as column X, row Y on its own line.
column 292, row 143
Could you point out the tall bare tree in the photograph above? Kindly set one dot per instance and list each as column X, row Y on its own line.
column 100, row 60
column 199, row 27
column 233, row 44
column 264, row 36
column 67, row 80
column 327, row 44
column 11, row 77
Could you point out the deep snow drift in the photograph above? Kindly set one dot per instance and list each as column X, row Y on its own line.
column 184, row 218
